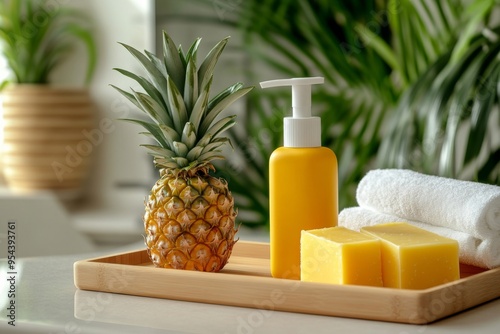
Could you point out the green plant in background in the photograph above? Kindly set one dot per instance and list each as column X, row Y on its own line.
column 37, row 36
column 405, row 82
column 440, row 125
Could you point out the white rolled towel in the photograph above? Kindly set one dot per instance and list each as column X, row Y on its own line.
column 473, row 251
column 470, row 207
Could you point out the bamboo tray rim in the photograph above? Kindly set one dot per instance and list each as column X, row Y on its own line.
column 362, row 302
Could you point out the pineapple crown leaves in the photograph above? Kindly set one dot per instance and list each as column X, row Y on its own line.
column 177, row 100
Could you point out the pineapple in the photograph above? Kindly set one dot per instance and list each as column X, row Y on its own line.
column 189, row 215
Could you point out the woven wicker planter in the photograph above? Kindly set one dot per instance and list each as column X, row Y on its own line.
column 46, row 144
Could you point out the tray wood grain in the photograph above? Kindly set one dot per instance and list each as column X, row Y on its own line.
column 246, row 282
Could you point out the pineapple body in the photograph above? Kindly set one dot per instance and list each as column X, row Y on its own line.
column 189, row 216
column 190, row 222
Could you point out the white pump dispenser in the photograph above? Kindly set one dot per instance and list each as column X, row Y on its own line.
column 301, row 130
column 303, row 181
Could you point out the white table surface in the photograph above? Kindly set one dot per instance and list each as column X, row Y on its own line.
column 48, row 302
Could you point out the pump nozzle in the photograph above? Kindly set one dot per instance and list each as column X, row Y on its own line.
column 301, row 93
column 301, row 130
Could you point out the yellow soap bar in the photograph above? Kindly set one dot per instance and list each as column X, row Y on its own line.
column 413, row 258
column 340, row 256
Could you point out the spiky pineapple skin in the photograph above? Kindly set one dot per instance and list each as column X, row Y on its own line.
column 189, row 222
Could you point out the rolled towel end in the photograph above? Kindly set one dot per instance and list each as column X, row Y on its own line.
column 489, row 253
column 492, row 214
column 466, row 206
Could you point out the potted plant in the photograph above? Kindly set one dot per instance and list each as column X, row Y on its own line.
column 45, row 127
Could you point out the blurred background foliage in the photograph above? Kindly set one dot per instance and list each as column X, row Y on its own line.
column 408, row 84
column 34, row 41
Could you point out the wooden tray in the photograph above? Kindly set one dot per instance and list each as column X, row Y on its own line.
column 246, row 282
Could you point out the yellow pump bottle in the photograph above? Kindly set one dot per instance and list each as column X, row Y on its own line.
column 303, row 181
